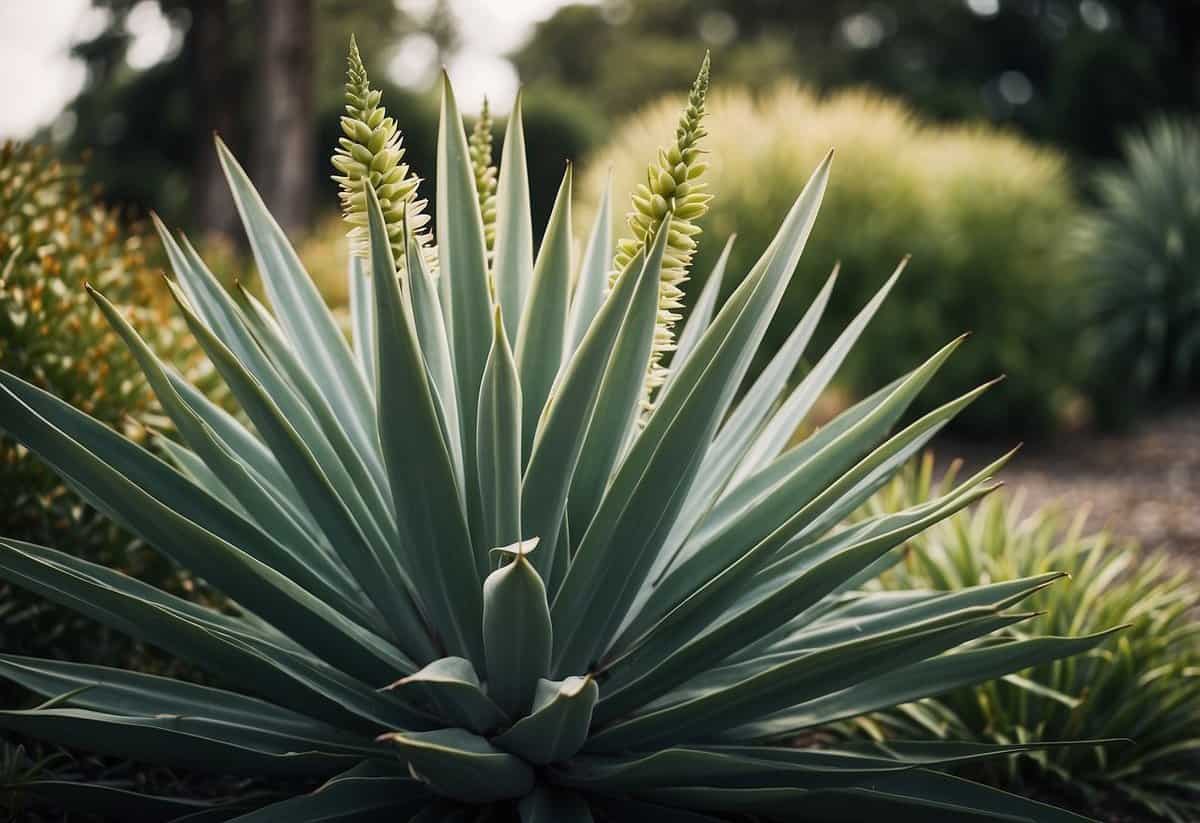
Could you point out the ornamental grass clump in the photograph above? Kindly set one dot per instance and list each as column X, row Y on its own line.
column 471, row 578
column 1143, row 688
column 1141, row 271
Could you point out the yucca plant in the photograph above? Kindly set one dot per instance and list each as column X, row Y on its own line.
column 472, row 583
column 1144, row 688
column 1141, row 251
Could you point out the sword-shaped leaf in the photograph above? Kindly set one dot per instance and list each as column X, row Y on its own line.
column 498, row 448
column 591, row 282
column 512, row 261
column 463, row 766
column 430, row 513
column 303, row 315
column 648, row 489
column 542, row 336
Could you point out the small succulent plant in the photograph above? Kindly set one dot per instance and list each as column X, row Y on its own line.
column 467, row 582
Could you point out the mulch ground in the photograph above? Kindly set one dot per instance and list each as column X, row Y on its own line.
column 1143, row 483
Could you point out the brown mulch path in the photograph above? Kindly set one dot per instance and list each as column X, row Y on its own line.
column 1143, row 483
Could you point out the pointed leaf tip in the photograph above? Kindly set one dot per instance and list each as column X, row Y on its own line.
column 519, row 549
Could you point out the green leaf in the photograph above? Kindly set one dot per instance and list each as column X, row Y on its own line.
column 564, row 422
column 830, row 633
column 443, row 811
column 719, row 767
column 362, row 320
column 549, row 804
column 307, row 322
column 213, row 304
column 368, row 791
column 462, row 254
column 430, row 514
column 841, row 765
column 512, row 262
column 119, row 803
column 459, row 765
column 647, row 490
column 926, row 678
column 193, row 468
column 231, row 648
column 118, row 692
column 656, row 664
column 195, row 529
column 541, row 337
column 273, row 536
column 805, row 675
column 801, row 498
column 784, row 422
column 557, row 727
column 840, row 806
column 626, row 809
column 359, row 538
column 842, row 624
column 209, row 301
column 517, row 633
column 621, row 397
column 918, row 794
column 591, row 282
column 421, row 291
column 362, row 464
column 175, row 742
column 498, row 450
column 246, row 445
column 744, row 422
column 747, row 417
column 737, row 499
column 450, row 689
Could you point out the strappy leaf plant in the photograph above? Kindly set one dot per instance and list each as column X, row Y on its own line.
column 1141, row 275
column 1144, row 688
column 470, row 584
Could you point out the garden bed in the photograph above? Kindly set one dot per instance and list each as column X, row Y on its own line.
column 1142, row 483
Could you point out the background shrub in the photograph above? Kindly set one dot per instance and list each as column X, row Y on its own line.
column 985, row 215
column 1144, row 685
column 1141, row 272
column 54, row 238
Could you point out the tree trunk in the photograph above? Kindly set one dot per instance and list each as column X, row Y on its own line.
column 284, row 121
column 215, row 112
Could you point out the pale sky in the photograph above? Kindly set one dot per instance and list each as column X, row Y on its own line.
column 38, row 76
